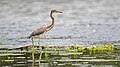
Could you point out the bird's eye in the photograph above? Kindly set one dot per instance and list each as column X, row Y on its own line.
column 54, row 10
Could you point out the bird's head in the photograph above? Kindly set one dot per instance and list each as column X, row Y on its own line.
column 55, row 11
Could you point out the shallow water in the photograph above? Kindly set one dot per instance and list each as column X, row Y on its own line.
column 62, row 56
column 91, row 20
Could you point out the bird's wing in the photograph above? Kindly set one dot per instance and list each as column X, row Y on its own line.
column 40, row 30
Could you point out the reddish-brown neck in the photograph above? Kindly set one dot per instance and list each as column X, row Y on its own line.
column 52, row 17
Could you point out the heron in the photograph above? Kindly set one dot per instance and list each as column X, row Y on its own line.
column 43, row 29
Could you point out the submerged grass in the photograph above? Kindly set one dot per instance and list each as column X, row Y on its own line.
column 45, row 50
column 73, row 52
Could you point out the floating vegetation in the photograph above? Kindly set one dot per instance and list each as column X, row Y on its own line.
column 106, row 54
column 106, row 47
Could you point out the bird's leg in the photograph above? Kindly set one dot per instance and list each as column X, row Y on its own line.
column 40, row 49
column 40, row 54
column 32, row 50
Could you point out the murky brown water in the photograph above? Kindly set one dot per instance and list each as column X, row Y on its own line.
column 92, row 20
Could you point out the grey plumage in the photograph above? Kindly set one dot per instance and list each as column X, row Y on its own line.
column 46, row 27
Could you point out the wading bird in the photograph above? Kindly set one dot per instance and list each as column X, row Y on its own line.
column 46, row 27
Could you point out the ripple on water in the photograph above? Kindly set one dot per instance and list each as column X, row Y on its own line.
column 92, row 20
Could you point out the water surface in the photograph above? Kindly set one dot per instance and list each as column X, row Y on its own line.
column 92, row 20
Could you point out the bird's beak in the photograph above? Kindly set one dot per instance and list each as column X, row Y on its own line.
column 59, row 12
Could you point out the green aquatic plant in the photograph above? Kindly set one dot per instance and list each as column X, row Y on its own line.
column 54, row 50
column 91, row 48
column 68, row 48
column 46, row 46
column 109, row 46
column 78, row 48
column 81, row 48
column 46, row 53
column 75, row 50
column 100, row 48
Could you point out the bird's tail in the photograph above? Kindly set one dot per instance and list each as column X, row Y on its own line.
column 29, row 36
column 32, row 34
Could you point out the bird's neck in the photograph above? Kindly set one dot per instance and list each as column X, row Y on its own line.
column 52, row 23
column 50, row 26
column 51, row 15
